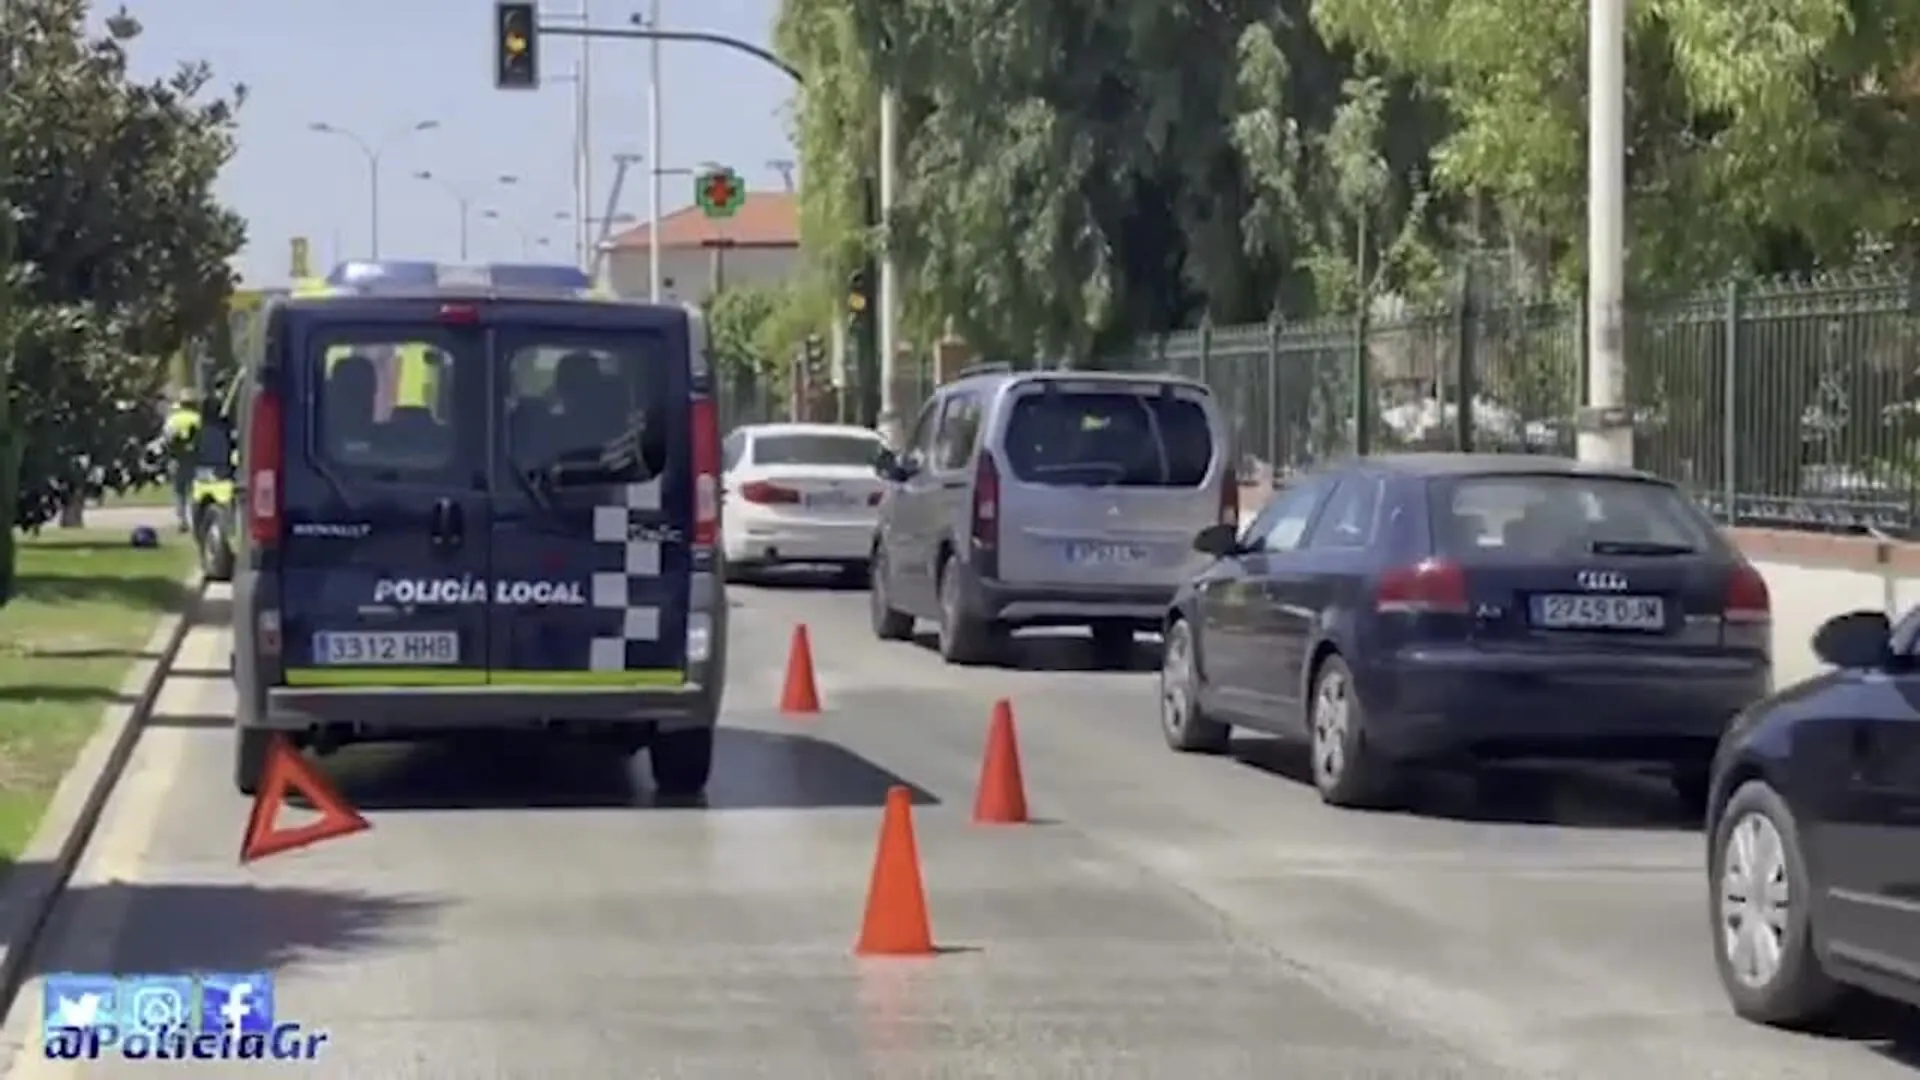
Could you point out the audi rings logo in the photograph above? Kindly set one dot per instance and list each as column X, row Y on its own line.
column 1603, row 581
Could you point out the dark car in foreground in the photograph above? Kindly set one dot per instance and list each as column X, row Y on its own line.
column 1453, row 609
column 1814, row 863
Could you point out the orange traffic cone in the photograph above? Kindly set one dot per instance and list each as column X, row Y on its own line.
column 800, row 697
column 896, row 921
column 1002, row 796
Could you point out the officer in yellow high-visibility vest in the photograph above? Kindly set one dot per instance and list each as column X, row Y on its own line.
column 182, row 433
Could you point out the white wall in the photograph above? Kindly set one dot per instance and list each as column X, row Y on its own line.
column 691, row 270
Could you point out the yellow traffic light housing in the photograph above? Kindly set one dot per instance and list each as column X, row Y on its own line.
column 516, row 46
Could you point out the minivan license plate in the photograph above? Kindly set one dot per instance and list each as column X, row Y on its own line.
column 1096, row 554
column 379, row 648
column 1575, row 611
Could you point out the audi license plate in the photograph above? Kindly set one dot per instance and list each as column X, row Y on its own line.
column 1097, row 554
column 403, row 648
column 1578, row 611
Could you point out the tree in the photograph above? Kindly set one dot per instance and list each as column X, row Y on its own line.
column 118, row 255
column 1075, row 176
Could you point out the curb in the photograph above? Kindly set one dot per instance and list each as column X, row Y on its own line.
column 35, row 885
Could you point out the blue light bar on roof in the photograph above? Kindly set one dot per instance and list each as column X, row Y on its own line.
column 414, row 276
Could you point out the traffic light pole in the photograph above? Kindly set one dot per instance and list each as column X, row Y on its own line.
column 874, row 334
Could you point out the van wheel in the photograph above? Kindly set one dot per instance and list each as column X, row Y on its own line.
column 888, row 624
column 681, row 761
column 1347, row 769
column 1113, row 646
column 216, row 548
column 1763, row 935
column 964, row 639
column 250, row 747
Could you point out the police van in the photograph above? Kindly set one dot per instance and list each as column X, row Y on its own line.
column 478, row 499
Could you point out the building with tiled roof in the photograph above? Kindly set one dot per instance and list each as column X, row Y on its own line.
column 760, row 244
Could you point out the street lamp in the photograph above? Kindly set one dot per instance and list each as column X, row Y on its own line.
column 459, row 197
column 373, row 151
column 528, row 241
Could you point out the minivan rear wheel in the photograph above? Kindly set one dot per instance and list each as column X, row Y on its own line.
column 1113, row 645
column 964, row 639
column 681, row 761
column 250, row 748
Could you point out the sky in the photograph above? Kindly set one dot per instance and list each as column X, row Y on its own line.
column 379, row 67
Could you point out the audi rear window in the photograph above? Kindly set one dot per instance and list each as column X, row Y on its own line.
column 1100, row 438
column 815, row 448
column 1544, row 515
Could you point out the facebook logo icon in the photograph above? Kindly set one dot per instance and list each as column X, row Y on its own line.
column 236, row 1004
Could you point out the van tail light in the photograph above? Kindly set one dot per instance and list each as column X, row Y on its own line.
column 706, row 473
column 1748, row 600
column 986, row 502
column 764, row 494
column 266, row 464
column 1230, row 499
column 1428, row 587
column 874, row 499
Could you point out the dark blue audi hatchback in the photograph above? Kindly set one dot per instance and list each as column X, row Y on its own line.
column 1814, row 864
column 1405, row 610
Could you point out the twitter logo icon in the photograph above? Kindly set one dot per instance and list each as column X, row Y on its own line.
column 68, row 1000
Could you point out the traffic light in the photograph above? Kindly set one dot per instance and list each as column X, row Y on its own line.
column 859, row 298
column 815, row 352
column 516, row 46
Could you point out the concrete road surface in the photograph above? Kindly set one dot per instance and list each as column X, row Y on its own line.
column 514, row 914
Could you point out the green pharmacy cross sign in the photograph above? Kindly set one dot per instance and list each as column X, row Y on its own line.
column 720, row 193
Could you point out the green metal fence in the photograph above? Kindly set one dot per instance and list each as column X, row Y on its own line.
column 1780, row 403
column 1788, row 404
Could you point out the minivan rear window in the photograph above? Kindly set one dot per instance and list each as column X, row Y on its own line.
column 1544, row 515
column 384, row 403
column 815, row 448
column 1100, row 438
column 587, row 398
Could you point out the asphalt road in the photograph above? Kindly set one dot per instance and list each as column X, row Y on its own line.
column 514, row 914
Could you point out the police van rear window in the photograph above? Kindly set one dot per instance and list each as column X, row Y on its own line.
column 384, row 403
column 587, row 398
column 1076, row 437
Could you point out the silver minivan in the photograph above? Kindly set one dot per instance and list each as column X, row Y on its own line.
column 1055, row 498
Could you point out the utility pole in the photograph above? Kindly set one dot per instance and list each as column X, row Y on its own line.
column 585, row 208
column 1606, row 424
column 654, row 136
column 890, row 424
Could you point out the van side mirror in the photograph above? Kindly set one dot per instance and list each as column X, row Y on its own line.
column 891, row 466
column 1858, row 639
column 1219, row 541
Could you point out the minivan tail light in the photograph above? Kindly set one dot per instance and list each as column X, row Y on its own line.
column 706, row 473
column 460, row 314
column 1428, row 587
column 1748, row 599
column 986, row 502
column 1230, row 499
column 266, row 453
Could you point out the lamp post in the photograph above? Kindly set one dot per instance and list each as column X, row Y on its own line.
column 460, row 198
column 528, row 241
column 373, row 152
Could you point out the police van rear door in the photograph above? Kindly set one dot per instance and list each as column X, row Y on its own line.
column 386, row 520
column 593, row 512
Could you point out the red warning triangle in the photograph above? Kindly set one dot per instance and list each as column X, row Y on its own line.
column 286, row 770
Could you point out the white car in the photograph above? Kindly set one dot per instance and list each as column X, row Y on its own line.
column 800, row 494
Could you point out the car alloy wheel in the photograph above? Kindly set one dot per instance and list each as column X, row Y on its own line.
column 1755, row 900
column 1332, row 715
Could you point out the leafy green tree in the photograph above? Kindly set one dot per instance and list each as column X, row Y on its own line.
column 119, row 251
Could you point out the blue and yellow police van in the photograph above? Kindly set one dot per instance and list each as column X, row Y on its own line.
column 472, row 500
